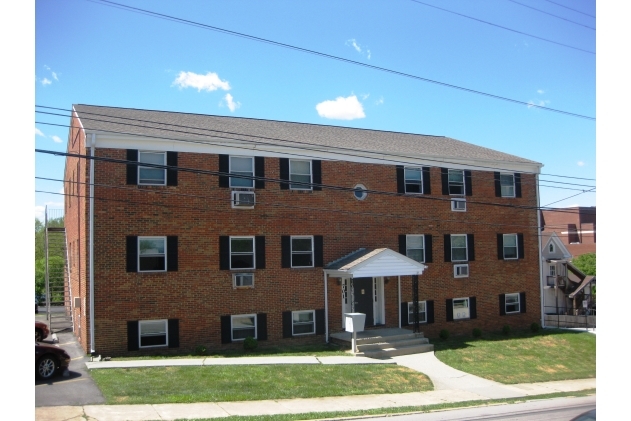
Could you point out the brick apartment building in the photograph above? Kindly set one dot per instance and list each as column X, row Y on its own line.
column 204, row 230
column 575, row 227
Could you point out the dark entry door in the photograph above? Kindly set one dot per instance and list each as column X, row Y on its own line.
column 362, row 289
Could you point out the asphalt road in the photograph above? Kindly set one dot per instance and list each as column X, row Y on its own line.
column 77, row 388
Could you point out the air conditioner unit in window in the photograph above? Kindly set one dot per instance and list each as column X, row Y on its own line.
column 243, row 280
column 461, row 271
column 243, row 199
column 459, row 205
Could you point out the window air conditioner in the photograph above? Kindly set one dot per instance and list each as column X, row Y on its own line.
column 458, row 205
column 243, row 199
column 461, row 271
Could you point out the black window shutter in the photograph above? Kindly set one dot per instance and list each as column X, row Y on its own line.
column 498, row 185
column 133, row 341
column 261, row 326
column 259, row 171
column 400, row 179
column 316, row 167
column 470, row 248
column 500, row 246
column 174, row 333
column 172, row 173
column 318, row 251
column 320, row 324
column 284, row 173
column 447, row 238
column 224, row 252
column 259, row 244
column 404, row 314
column 224, row 169
column 444, row 177
column 522, row 302
column 473, row 311
column 285, row 245
column 287, row 324
column 520, row 246
column 132, row 253
column 427, row 188
column 502, row 304
column 132, row 168
column 429, row 309
column 517, row 184
column 403, row 244
column 172, row 244
column 226, row 330
column 468, row 188
column 428, row 248
column 450, row 310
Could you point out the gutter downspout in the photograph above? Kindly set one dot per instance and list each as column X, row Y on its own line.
column 92, row 143
column 399, row 292
column 326, row 309
column 539, row 234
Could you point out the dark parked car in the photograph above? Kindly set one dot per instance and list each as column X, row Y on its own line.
column 49, row 360
column 586, row 416
column 41, row 331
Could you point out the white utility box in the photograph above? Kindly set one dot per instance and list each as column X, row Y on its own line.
column 355, row 322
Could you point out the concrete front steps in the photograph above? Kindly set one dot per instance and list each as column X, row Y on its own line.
column 393, row 345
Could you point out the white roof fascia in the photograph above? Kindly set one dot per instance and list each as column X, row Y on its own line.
column 362, row 269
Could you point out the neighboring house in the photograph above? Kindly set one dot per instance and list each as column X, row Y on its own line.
column 204, row 230
column 575, row 226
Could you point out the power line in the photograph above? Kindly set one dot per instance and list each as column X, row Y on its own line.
column 577, row 11
column 345, row 60
column 569, row 197
column 558, row 17
column 503, row 27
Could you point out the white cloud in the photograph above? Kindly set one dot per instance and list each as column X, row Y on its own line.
column 54, row 204
column 353, row 43
column 341, row 108
column 38, row 132
column 56, row 139
column 46, row 67
column 541, row 91
column 55, row 76
column 232, row 105
column 208, row 82
column 580, row 163
column 379, row 101
column 364, row 96
column 540, row 103
column 46, row 81
column 368, row 54
column 39, row 212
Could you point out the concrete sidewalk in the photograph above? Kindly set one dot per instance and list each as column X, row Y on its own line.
column 450, row 386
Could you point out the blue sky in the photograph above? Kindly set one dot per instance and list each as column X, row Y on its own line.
column 88, row 52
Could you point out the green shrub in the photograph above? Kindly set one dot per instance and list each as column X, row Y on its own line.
column 250, row 344
column 534, row 327
column 477, row 332
column 506, row 330
column 201, row 350
column 444, row 334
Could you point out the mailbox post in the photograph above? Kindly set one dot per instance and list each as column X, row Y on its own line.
column 355, row 323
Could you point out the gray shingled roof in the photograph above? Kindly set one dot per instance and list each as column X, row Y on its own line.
column 199, row 127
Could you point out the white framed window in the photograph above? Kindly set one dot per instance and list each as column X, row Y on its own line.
column 302, row 252
column 242, row 253
column 300, row 172
column 303, row 322
column 553, row 270
column 459, row 205
column 413, row 180
column 461, row 271
column 459, row 248
column 422, row 313
column 551, row 248
column 507, row 184
column 512, row 303
column 152, row 255
column 243, row 326
column 149, row 175
column 243, row 166
column 456, row 182
column 360, row 192
column 461, row 308
column 153, row 333
column 415, row 247
column 510, row 246
column 243, row 280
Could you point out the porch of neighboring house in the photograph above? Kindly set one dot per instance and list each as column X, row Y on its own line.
column 362, row 276
column 568, row 298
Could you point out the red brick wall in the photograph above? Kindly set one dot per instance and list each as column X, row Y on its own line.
column 584, row 218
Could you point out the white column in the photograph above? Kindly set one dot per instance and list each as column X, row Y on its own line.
column 326, row 308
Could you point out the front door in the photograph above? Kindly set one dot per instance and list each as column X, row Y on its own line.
column 363, row 297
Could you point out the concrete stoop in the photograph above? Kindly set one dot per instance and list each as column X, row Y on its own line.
column 390, row 346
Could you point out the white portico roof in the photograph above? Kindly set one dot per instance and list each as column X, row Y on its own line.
column 373, row 262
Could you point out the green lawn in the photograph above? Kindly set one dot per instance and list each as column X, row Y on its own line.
column 242, row 383
column 522, row 357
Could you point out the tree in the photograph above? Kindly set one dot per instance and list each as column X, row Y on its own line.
column 586, row 263
column 56, row 257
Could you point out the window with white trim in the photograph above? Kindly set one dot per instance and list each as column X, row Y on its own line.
column 510, row 246
column 507, row 185
column 243, row 280
column 153, row 333
column 551, row 248
column 302, row 252
column 422, row 313
column 303, row 322
column 244, row 166
column 243, row 326
column 415, row 247
column 413, row 180
column 152, row 254
column 242, row 253
column 461, row 308
column 459, row 205
column 459, row 248
column 456, row 181
column 300, row 172
column 512, row 303
column 150, row 175
column 553, row 270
